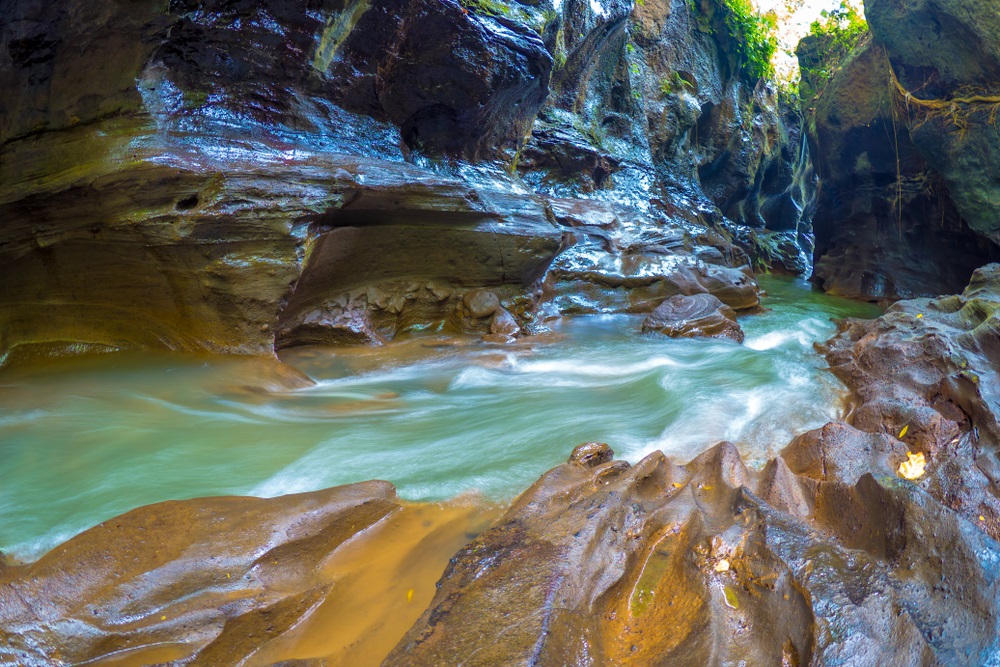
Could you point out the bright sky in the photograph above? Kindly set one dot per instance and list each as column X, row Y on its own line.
column 794, row 19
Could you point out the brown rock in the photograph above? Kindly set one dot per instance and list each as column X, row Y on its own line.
column 219, row 576
column 606, row 563
column 698, row 315
column 481, row 303
column 926, row 373
column 505, row 324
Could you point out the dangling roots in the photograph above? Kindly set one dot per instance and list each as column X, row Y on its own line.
column 957, row 110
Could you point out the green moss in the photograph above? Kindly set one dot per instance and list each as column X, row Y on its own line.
column 194, row 99
column 490, row 7
column 676, row 82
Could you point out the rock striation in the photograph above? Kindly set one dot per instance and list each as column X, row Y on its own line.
column 213, row 176
column 693, row 316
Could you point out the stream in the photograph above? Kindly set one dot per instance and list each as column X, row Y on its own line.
column 85, row 439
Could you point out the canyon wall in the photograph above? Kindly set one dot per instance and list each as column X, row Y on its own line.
column 234, row 178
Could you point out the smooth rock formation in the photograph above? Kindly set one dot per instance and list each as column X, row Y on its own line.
column 225, row 581
column 699, row 315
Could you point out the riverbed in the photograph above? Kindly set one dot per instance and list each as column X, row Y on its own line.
column 440, row 416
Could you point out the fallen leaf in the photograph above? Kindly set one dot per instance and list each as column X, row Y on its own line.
column 904, row 431
column 913, row 466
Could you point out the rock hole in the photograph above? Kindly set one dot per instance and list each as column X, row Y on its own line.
column 187, row 203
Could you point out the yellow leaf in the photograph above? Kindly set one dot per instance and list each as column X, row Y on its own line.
column 409, row 595
column 913, row 466
column 722, row 566
column 920, row 316
column 163, row 618
column 903, row 432
column 731, row 598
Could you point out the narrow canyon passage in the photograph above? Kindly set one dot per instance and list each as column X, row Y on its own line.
column 438, row 416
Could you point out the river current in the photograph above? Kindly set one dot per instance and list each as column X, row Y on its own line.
column 82, row 440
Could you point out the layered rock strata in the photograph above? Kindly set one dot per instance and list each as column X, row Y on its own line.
column 211, row 176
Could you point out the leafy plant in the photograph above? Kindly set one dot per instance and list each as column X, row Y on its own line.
column 676, row 82
column 837, row 32
column 753, row 35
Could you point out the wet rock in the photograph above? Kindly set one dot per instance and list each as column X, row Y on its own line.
column 605, row 563
column 944, row 53
column 131, row 616
column 886, row 227
column 839, row 452
column 456, row 81
column 624, row 261
column 504, row 324
column 698, row 315
column 481, row 303
column 217, row 577
column 245, row 178
column 925, row 373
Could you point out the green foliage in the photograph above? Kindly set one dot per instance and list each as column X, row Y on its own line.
column 842, row 26
column 675, row 82
column 753, row 35
column 837, row 33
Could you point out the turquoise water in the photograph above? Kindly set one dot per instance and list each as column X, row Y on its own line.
column 82, row 440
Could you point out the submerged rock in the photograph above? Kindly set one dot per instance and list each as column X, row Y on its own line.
column 694, row 316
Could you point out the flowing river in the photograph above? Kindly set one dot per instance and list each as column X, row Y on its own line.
column 82, row 440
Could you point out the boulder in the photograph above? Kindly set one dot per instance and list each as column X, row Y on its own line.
column 601, row 562
column 925, row 373
column 698, row 315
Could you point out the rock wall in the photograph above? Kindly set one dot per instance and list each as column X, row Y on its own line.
column 225, row 177
column 909, row 189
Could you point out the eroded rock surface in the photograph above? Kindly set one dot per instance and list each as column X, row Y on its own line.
column 694, row 316
column 926, row 372
column 225, row 581
column 711, row 563
column 220, row 177
column 825, row 556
